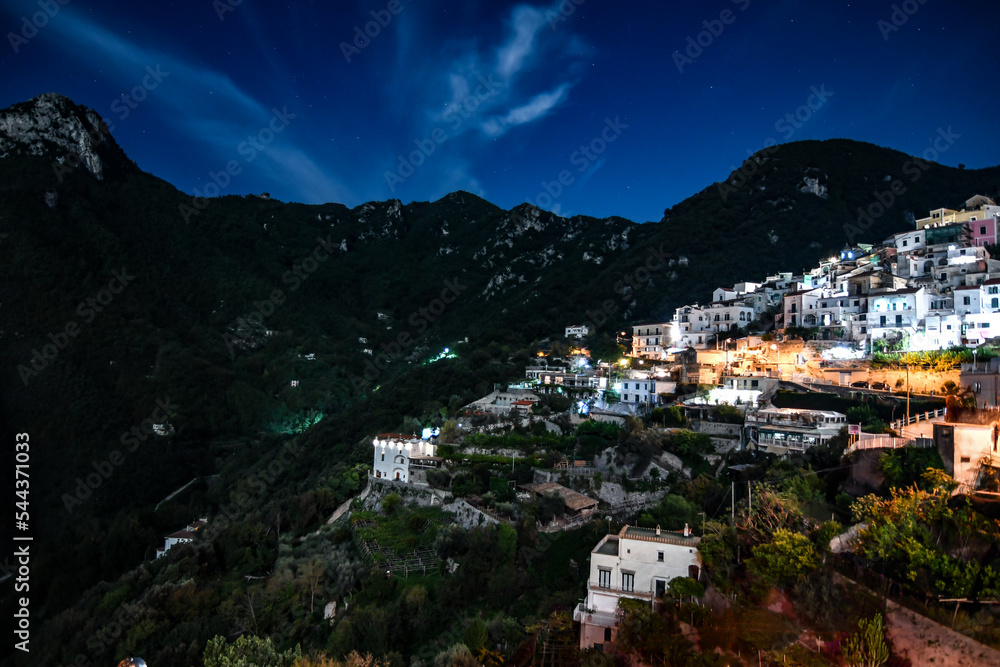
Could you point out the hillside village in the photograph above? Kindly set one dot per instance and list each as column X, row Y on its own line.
column 685, row 483
column 857, row 328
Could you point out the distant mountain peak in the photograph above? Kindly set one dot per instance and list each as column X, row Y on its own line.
column 72, row 135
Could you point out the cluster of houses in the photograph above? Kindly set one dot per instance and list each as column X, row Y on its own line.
column 935, row 287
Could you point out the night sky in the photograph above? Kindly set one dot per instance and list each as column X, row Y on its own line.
column 618, row 99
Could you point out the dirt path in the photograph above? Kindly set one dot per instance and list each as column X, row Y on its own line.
column 930, row 644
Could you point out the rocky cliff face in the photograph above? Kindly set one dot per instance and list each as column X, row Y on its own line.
column 53, row 126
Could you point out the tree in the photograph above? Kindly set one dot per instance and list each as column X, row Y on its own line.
column 785, row 560
column 457, row 655
column 391, row 502
column 475, row 635
column 313, row 573
column 867, row 647
column 248, row 651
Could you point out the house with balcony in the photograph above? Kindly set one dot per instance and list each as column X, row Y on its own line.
column 639, row 390
column 651, row 341
column 577, row 331
column 637, row 563
column 784, row 430
column 500, row 402
column 403, row 458
column 693, row 327
column 896, row 313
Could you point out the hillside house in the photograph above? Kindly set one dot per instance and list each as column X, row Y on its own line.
column 577, row 504
column 501, row 402
column 783, row 430
column 637, row 563
column 403, row 458
column 967, row 442
column 186, row 534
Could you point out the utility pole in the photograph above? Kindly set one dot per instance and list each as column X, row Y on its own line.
column 907, row 397
column 732, row 498
column 750, row 496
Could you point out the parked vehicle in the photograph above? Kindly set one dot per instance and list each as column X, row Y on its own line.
column 860, row 384
column 881, row 386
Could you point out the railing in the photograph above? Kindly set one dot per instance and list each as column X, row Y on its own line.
column 921, row 416
column 648, row 595
column 602, row 618
column 882, row 442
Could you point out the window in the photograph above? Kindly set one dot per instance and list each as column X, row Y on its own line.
column 982, row 230
column 659, row 556
column 604, row 578
column 607, row 634
column 383, row 456
column 995, row 303
column 628, row 581
column 966, row 300
column 899, row 320
column 986, row 325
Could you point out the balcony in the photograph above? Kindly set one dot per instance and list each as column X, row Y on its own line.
column 602, row 618
column 611, row 590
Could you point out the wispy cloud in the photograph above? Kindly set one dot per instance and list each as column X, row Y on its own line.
column 536, row 108
column 525, row 23
column 203, row 104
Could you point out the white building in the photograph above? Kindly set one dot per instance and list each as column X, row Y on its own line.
column 403, row 458
column 651, row 341
column 638, row 390
column 501, row 402
column 894, row 313
column 181, row 536
column 636, row 563
column 783, row 430
column 578, row 331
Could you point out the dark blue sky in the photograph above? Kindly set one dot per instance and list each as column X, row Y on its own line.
column 499, row 98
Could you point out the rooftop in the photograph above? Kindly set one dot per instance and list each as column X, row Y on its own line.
column 657, row 535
